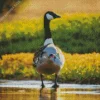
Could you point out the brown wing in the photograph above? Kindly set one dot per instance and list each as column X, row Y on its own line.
column 38, row 53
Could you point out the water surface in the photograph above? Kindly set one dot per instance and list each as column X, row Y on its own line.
column 31, row 90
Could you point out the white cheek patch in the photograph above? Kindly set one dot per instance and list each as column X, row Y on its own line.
column 49, row 17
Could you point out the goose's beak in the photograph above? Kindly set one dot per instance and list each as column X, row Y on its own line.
column 57, row 16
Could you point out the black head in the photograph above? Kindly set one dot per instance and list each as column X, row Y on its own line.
column 51, row 15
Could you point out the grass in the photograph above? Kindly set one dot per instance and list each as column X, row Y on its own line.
column 73, row 33
column 78, row 68
column 76, row 34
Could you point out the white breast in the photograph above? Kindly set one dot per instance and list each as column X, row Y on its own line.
column 48, row 41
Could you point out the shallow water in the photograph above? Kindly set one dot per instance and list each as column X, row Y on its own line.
column 31, row 90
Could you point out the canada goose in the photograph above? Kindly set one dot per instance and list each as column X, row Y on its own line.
column 49, row 58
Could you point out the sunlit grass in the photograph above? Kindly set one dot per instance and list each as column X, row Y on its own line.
column 78, row 68
column 73, row 33
column 32, row 26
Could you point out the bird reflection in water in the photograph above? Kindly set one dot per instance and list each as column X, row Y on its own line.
column 48, row 94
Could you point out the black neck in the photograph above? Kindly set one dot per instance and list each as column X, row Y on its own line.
column 47, row 28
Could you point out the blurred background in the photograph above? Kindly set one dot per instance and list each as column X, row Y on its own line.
column 36, row 8
column 77, row 33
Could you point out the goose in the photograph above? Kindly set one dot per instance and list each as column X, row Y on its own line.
column 48, row 59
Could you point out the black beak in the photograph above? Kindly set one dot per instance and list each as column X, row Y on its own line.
column 57, row 16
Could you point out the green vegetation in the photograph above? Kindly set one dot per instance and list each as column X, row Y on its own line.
column 73, row 33
column 77, row 33
column 78, row 68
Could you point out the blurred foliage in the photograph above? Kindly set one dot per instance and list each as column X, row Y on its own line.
column 74, row 33
column 78, row 68
column 6, row 5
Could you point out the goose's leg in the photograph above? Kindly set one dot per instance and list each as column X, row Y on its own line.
column 55, row 84
column 42, row 81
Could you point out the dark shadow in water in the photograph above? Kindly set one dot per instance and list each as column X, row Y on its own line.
column 46, row 94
